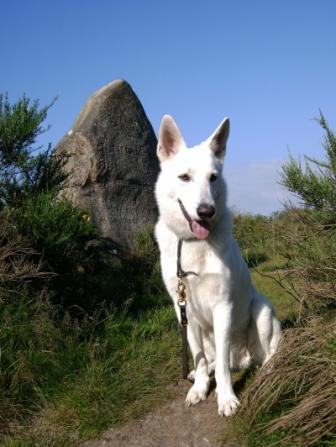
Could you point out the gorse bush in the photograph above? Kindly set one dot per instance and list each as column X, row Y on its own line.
column 315, row 182
column 25, row 168
column 55, row 227
column 311, row 235
column 61, row 234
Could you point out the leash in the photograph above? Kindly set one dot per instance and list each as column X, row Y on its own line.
column 182, row 303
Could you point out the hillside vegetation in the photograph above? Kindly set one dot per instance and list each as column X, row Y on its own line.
column 83, row 333
column 293, row 400
column 89, row 339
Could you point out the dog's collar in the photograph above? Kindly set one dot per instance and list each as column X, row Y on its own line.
column 180, row 273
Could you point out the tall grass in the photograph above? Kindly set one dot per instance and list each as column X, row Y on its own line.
column 293, row 400
column 68, row 371
column 83, row 384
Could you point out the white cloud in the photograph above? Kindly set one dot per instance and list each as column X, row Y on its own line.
column 254, row 188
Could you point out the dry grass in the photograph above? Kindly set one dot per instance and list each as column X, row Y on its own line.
column 311, row 246
column 296, row 394
column 18, row 261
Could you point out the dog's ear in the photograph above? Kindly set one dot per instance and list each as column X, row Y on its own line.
column 170, row 139
column 217, row 141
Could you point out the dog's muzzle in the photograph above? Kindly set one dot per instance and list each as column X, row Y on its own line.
column 200, row 228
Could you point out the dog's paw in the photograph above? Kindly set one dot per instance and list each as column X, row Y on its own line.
column 196, row 395
column 228, row 407
column 191, row 376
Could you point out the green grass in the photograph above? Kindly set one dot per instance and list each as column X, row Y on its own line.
column 285, row 306
column 79, row 378
column 122, row 373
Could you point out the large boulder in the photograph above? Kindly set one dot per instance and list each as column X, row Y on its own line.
column 112, row 163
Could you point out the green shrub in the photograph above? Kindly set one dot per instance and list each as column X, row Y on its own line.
column 25, row 168
column 314, row 183
column 311, row 235
column 30, row 179
column 56, row 228
column 60, row 233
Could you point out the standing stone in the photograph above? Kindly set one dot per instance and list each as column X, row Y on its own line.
column 112, row 163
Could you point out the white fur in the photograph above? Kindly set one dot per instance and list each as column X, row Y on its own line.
column 230, row 323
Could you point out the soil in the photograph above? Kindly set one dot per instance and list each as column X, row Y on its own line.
column 171, row 425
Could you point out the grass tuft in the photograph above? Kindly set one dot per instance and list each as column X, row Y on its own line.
column 292, row 401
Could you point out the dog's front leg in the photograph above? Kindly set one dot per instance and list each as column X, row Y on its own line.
column 200, row 388
column 226, row 398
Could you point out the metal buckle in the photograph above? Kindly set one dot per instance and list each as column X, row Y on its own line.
column 182, row 301
column 182, row 296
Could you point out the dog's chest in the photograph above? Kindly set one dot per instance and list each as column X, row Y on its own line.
column 208, row 273
column 197, row 257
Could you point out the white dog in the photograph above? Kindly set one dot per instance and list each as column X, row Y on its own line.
column 230, row 324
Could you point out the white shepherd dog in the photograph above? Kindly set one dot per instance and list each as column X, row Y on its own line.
column 230, row 324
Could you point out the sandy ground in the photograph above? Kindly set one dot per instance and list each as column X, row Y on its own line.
column 171, row 425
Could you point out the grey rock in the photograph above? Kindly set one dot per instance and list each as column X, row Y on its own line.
column 112, row 163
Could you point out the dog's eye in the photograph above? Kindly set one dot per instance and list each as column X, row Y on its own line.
column 185, row 177
column 213, row 177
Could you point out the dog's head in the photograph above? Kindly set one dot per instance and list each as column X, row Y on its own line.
column 190, row 190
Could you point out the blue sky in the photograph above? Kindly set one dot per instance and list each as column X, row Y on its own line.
column 268, row 65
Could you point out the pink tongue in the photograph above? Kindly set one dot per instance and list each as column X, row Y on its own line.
column 200, row 231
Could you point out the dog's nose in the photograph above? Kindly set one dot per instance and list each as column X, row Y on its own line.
column 206, row 211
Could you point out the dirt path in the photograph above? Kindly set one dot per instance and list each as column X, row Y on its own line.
column 172, row 425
